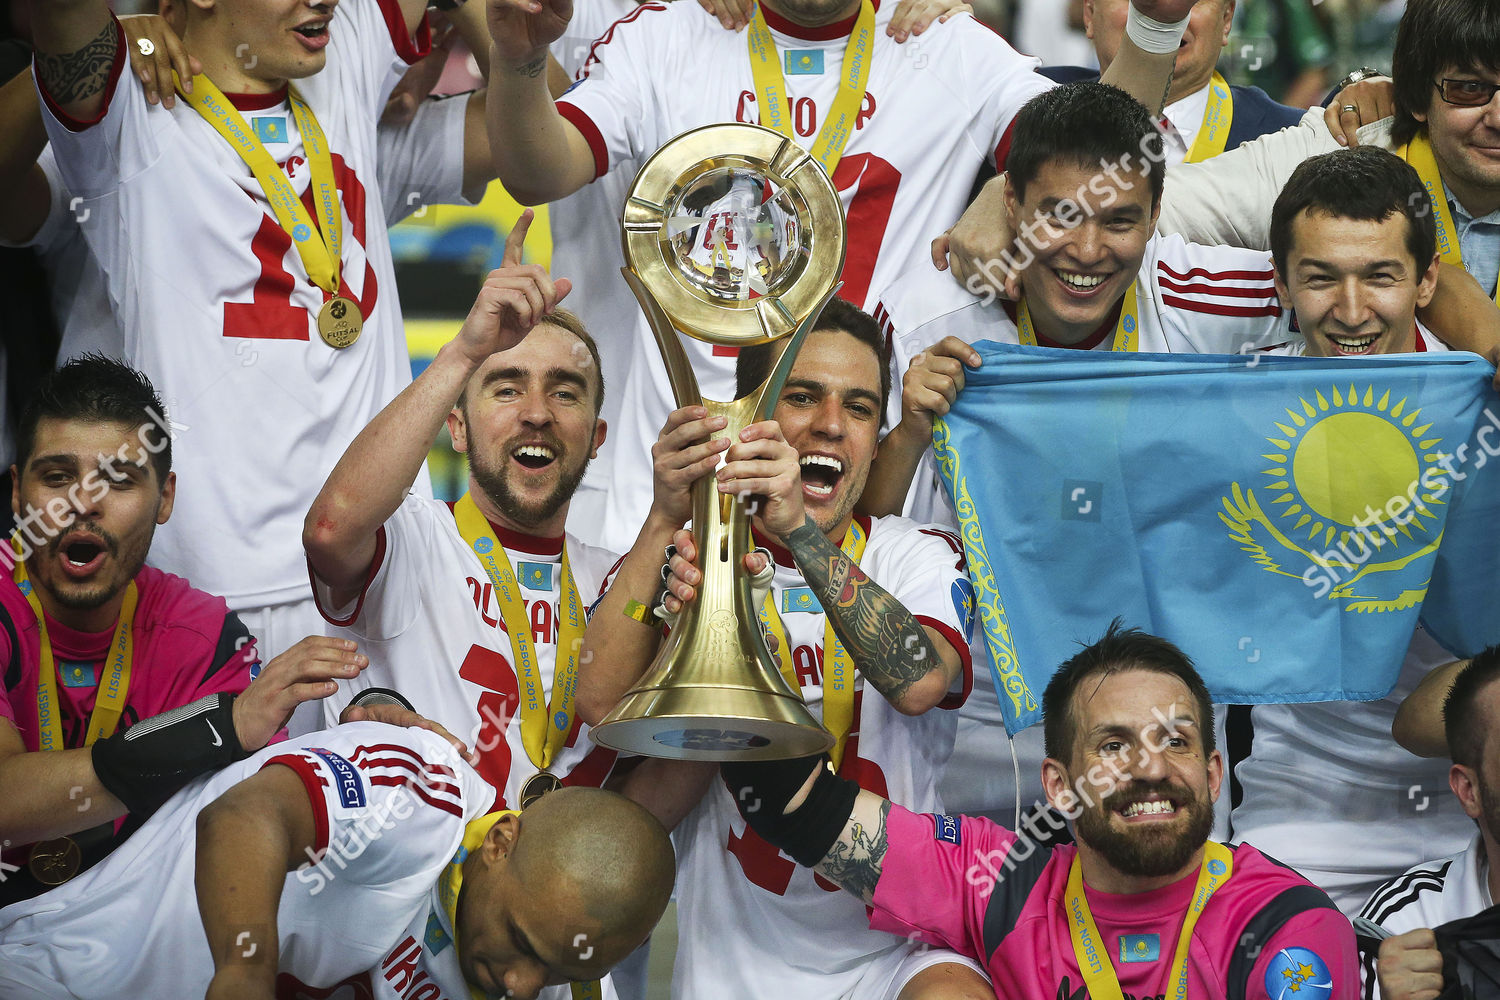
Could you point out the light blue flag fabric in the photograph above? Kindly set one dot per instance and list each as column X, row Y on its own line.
column 1285, row 521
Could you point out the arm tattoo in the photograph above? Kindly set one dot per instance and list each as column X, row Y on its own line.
column 533, row 69
column 82, row 74
column 854, row 860
column 888, row 645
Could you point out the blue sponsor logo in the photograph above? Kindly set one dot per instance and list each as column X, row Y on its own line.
column 963, row 606
column 255, row 669
column 1216, row 867
column 795, row 599
column 345, row 776
column 483, row 545
column 946, row 828
column 26, row 588
column 1130, row 324
column 804, row 62
column 1298, row 974
column 300, row 232
column 560, row 720
column 1140, row 947
column 270, row 128
column 536, row 576
column 78, row 675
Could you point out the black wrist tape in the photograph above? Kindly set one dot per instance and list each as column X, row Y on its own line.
column 146, row 764
column 762, row 790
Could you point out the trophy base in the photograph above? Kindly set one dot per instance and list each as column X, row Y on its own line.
column 711, row 724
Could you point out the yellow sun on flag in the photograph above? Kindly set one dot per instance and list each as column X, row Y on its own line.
column 1348, row 460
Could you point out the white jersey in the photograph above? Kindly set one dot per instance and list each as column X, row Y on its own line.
column 225, row 324
column 419, row 164
column 751, row 922
column 1190, row 299
column 1429, row 895
column 390, row 806
column 430, row 622
column 935, row 109
column 1325, row 775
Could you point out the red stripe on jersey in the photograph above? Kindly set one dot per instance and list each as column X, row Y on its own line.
column 312, row 780
column 953, row 699
column 1002, row 150
column 1267, row 291
column 110, row 86
column 364, row 588
column 452, row 808
column 593, row 769
column 408, row 49
column 954, row 543
column 1421, row 340
column 1217, row 309
column 1265, row 274
column 425, row 777
column 590, row 132
column 363, row 754
column 609, row 33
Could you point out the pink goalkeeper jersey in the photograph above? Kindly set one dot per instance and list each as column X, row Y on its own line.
column 1266, row 933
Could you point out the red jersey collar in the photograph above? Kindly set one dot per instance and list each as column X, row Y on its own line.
column 516, row 541
column 1088, row 343
column 258, row 102
column 779, row 553
column 825, row 33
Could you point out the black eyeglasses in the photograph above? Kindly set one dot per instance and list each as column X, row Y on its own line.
column 1466, row 93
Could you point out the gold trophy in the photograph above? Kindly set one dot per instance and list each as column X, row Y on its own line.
column 734, row 235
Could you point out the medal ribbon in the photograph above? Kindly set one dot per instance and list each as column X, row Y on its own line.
column 321, row 257
column 540, row 735
column 1213, row 136
column 838, row 668
column 1418, row 153
column 771, row 90
column 1127, row 330
column 1088, row 946
column 109, row 700
column 452, row 881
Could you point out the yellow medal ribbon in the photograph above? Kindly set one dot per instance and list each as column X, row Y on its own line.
column 1088, row 946
column 109, row 701
column 1418, row 153
column 771, row 90
column 321, row 257
column 452, row 881
column 838, row 668
column 1213, row 136
column 1127, row 330
column 544, row 724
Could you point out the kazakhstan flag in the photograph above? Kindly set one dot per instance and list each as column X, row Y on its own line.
column 1286, row 521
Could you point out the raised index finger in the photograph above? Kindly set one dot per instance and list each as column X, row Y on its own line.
column 515, row 243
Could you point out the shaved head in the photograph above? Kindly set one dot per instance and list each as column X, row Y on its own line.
column 603, row 849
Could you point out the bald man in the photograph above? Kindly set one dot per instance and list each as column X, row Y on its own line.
column 359, row 856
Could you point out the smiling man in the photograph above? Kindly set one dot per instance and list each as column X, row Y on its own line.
column 872, row 617
column 95, row 642
column 316, row 859
column 1144, row 903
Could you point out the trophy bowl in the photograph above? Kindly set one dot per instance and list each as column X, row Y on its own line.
column 733, row 235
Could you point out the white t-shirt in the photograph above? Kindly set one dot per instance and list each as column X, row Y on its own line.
column 933, row 112
column 1429, row 895
column 431, row 625
column 1190, row 299
column 390, row 805
column 751, row 922
column 216, row 308
column 420, row 163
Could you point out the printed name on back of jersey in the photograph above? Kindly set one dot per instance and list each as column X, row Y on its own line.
column 804, row 113
column 346, row 778
column 541, row 613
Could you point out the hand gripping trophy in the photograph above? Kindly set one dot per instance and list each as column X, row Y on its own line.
column 735, row 236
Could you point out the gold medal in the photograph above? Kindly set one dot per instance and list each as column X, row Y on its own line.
column 339, row 322
column 537, row 785
column 53, row 862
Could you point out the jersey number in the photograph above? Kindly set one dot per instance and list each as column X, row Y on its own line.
column 868, row 216
column 491, row 671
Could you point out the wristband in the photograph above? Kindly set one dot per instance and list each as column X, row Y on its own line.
column 146, row 764
column 762, row 790
column 370, row 697
column 1363, row 73
column 1151, row 35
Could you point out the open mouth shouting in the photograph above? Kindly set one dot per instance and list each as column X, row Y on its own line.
column 81, row 554
column 1351, row 345
column 820, row 475
column 534, row 457
column 314, row 34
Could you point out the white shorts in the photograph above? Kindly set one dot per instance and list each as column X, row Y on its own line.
column 277, row 628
